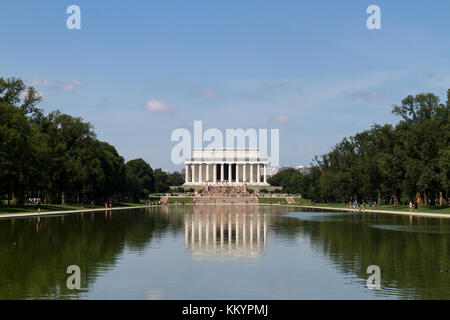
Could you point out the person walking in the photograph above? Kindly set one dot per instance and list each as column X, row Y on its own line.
column 415, row 206
column 410, row 206
column 39, row 206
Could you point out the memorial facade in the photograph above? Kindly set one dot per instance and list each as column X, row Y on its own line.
column 226, row 167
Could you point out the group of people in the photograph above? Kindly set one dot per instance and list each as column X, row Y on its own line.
column 362, row 206
column 37, row 202
column 34, row 200
column 226, row 191
column 373, row 205
column 416, row 205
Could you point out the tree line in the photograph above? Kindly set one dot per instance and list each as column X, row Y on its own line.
column 391, row 164
column 58, row 158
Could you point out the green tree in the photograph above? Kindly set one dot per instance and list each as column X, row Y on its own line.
column 161, row 181
column 140, row 179
column 14, row 151
column 175, row 179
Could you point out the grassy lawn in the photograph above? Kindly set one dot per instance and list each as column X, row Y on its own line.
column 304, row 201
column 272, row 200
column 428, row 209
column 435, row 209
column 27, row 208
column 180, row 200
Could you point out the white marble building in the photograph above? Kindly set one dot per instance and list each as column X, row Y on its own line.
column 232, row 167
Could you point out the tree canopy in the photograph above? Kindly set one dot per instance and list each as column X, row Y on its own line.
column 406, row 162
column 58, row 157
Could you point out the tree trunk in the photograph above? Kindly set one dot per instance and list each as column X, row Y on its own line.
column 379, row 197
column 62, row 197
column 433, row 199
column 419, row 198
column 441, row 199
column 396, row 203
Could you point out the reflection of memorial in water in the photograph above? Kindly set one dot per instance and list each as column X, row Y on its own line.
column 236, row 233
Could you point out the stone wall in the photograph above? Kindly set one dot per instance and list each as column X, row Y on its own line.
column 221, row 200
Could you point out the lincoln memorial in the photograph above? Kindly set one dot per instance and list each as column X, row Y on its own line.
column 226, row 167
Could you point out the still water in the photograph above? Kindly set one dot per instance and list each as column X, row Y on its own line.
column 224, row 252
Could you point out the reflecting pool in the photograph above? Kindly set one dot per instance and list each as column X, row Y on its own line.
column 224, row 252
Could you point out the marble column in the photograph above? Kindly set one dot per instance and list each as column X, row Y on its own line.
column 237, row 172
column 215, row 172
column 200, row 172
column 265, row 173
column 251, row 173
column 222, row 170
column 193, row 172
column 186, row 174
column 244, row 173
column 207, row 172
column 258, row 173
column 229, row 173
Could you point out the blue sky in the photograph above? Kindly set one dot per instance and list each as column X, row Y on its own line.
column 137, row 70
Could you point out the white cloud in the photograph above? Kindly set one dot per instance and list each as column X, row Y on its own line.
column 156, row 106
column 282, row 119
column 45, row 83
column 72, row 85
column 42, row 83
column 208, row 94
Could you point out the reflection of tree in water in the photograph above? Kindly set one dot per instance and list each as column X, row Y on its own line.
column 35, row 255
column 408, row 254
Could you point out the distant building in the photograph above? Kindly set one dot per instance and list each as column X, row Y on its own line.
column 226, row 167
column 271, row 171
column 303, row 169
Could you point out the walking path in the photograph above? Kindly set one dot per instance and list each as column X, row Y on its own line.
column 406, row 213
column 31, row 214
